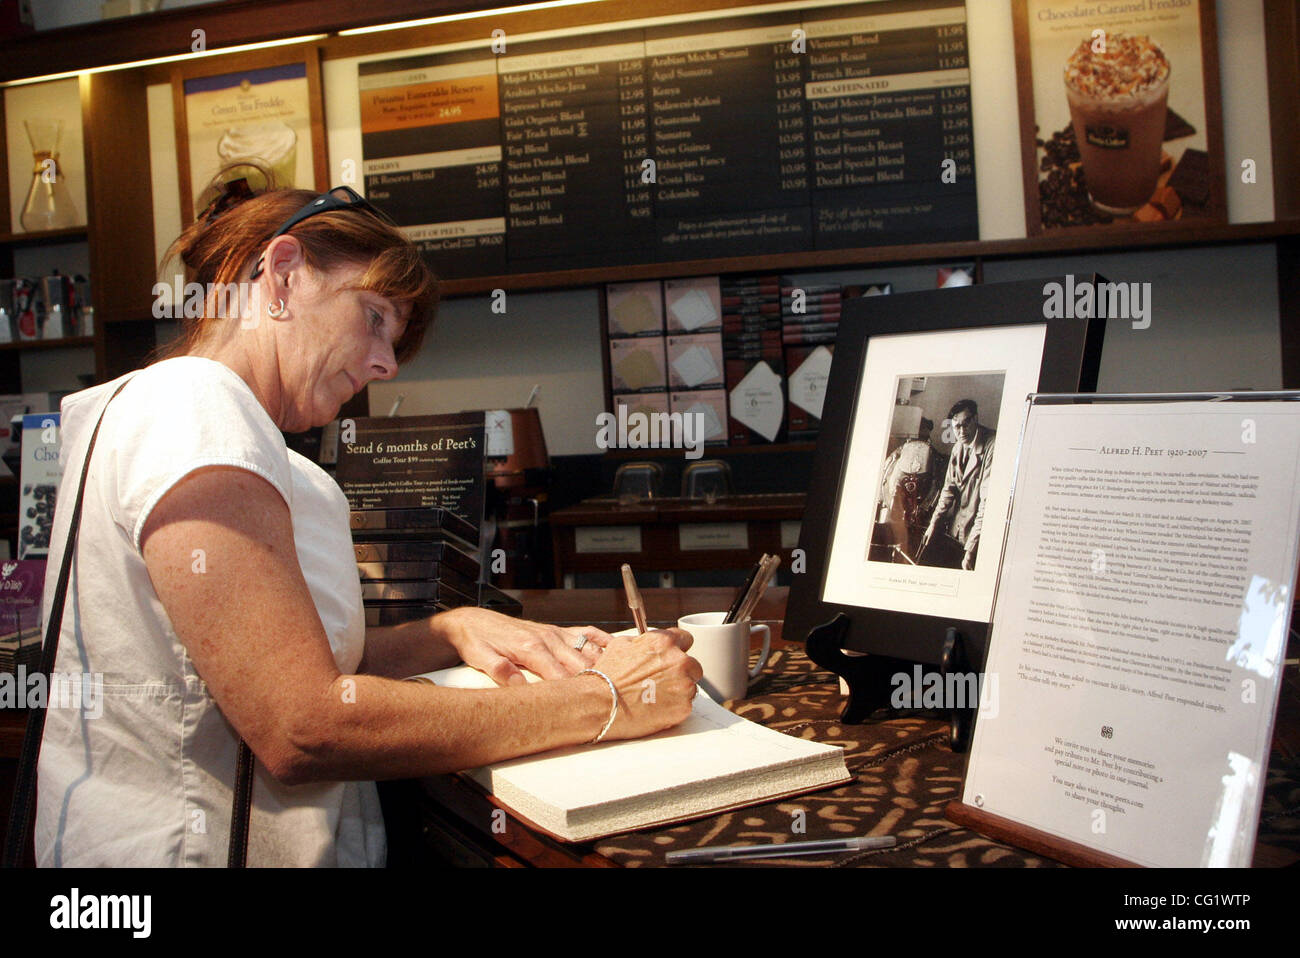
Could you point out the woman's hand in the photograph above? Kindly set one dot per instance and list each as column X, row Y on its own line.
column 655, row 678
column 499, row 646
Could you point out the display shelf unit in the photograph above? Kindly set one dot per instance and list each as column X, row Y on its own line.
column 44, row 237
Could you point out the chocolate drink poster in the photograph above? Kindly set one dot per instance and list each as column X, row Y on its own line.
column 1123, row 126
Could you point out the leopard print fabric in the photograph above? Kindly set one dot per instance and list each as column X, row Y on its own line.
column 904, row 774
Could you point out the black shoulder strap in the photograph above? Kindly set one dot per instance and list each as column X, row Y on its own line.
column 20, row 818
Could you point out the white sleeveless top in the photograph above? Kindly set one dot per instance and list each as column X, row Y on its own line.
column 148, row 782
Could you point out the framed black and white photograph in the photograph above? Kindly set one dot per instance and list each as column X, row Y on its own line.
column 928, row 504
column 923, row 413
column 946, row 529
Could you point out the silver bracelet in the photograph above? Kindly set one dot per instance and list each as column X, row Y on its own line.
column 613, row 709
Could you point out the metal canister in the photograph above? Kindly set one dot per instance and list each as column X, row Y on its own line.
column 8, row 330
column 24, row 311
column 57, row 291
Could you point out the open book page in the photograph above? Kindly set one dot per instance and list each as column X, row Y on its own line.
column 711, row 745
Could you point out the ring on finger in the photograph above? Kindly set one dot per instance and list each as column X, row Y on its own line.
column 582, row 641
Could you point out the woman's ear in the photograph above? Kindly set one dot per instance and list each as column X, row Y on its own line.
column 283, row 256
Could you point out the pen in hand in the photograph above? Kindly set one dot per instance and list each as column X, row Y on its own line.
column 634, row 601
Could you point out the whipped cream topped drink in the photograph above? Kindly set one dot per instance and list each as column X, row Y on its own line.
column 1117, row 107
column 272, row 143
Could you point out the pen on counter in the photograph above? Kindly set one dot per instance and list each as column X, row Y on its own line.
column 634, row 601
column 743, row 593
column 731, row 853
column 760, row 586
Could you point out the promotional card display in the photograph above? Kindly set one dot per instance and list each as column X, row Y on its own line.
column 757, row 400
column 648, row 403
column 39, row 481
column 711, row 404
column 693, row 305
column 1139, row 629
column 635, row 309
column 415, row 484
column 410, row 462
column 695, row 361
column 21, row 586
column 637, row 365
column 810, row 369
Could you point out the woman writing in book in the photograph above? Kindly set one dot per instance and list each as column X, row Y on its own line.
column 215, row 595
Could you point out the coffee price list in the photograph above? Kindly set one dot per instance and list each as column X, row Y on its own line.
column 825, row 128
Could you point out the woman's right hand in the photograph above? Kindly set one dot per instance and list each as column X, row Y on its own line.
column 655, row 678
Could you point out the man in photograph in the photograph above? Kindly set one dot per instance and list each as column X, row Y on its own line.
column 959, row 513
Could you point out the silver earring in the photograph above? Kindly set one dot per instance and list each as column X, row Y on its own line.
column 276, row 311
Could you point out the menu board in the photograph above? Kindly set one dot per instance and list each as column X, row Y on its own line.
column 828, row 127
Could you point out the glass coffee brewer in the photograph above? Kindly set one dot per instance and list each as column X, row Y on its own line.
column 49, row 205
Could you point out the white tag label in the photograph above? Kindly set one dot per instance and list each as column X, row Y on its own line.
column 790, row 533
column 607, row 539
column 704, row 536
column 500, row 433
column 808, row 382
column 757, row 401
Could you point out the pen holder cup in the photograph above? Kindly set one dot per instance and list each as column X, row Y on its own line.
column 723, row 652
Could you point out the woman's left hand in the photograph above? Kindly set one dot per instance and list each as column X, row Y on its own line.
column 499, row 646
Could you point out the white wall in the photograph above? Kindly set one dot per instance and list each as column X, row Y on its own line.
column 1217, row 308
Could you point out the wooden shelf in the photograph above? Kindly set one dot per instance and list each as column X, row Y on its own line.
column 72, row 234
column 65, row 342
column 1065, row 241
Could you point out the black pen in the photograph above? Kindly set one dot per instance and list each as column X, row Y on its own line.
column 744, row 590
column 827, row 846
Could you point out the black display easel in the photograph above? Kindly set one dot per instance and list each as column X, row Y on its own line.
column 869, row 676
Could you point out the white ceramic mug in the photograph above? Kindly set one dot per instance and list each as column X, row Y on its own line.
column 723, row 652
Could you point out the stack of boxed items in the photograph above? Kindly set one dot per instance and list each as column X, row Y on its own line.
column 696, row 378
column 412, row 484
column 751, row 348
column 810, row 321
column 414, row 562
column 637, row 371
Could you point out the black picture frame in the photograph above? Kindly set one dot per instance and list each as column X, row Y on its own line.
column 1070, row 362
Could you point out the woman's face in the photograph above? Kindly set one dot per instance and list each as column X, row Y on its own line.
column 338, row 339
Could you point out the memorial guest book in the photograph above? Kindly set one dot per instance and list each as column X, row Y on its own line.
column 712, row 762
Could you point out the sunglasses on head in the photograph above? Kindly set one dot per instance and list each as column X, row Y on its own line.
column 339, row 198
